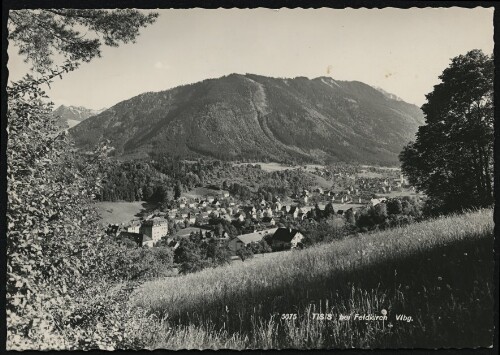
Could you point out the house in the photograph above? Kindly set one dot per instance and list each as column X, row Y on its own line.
column 240, row 217
column 224, row 235
column 268, row 212
column 179, row 221
column 155, row 228
column 174, row 244
column 294, row 212
column 269, row 220
column 277, row 206
column 286, row 208
column 204, row 215
column 241, row 241
column 376, row 201
column 171, row 214
column 182, row 205
column 141, row 239
column 186, row 232
column 259, row 214
column 305, row 209
column 133, row 227
column 285, row 238
column 113, row 230
column 304, row 199
column 210, row 199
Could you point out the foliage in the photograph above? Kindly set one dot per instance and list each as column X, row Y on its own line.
column 244, row 253
column 391, row 213
column 195, row 254
column 259, row 247
column 327, row 230
column 40, row 34
column 452, row 157
column 59, row 263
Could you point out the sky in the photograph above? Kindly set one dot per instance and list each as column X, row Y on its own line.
column 402, row 51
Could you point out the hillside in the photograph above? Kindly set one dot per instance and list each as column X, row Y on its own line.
column 70, row 116
column 437, row 272
column 251, row 117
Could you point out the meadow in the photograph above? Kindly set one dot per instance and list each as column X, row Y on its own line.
column 119, row 212
column 438, row 272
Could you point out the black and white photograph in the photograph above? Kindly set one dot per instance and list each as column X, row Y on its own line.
column 249, row 178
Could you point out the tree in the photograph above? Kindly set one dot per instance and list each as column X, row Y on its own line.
column 40, row 33
column 177, row 190
column 379, row 213
column 452, row 157
column 394, row 206
column 244, row 253
column 56, row 253
column 350, row 217
column 329, row 210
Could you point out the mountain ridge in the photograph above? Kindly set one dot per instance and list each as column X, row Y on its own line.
column 254, row 117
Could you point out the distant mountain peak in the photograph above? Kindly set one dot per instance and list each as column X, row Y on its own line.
column 70, row 116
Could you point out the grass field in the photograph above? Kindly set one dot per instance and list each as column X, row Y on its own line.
column 119, row 212
column 394, row 194
column 270, row 167
column 201, row 192
column 438, row 272
column 369, row 174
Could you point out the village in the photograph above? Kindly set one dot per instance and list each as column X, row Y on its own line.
column 253, row 221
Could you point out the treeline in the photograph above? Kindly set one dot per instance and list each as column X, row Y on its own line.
column 155, row 180
column 162, row 179
column 328, row 225
column 270, row 184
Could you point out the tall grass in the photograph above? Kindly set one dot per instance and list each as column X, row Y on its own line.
column 440, row 272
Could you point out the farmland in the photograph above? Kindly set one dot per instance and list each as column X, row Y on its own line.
column 437, row 272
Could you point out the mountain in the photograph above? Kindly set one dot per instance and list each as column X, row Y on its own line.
column 252, row 117
column 70, row 116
